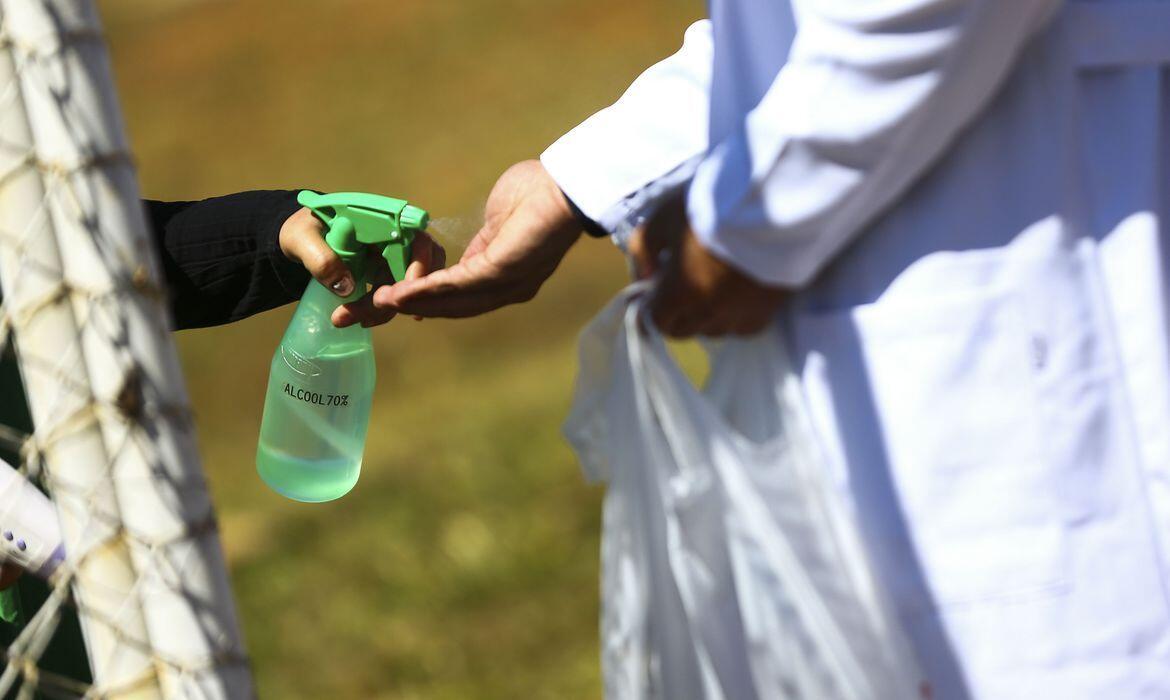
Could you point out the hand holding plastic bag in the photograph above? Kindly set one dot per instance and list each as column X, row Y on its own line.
column 729, row 568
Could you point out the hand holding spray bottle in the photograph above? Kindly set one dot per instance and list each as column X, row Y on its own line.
column 321, row 384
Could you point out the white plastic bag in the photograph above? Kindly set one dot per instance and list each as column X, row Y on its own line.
column 729, row 571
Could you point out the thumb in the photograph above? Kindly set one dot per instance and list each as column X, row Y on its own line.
column 652, row 244
column 301, row 240
column 644, row 259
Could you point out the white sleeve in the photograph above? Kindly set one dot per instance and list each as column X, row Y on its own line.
column 871, row 94
column 617, row 163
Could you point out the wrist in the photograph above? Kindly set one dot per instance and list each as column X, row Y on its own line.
column 289, row 272
column 287, row 230
column 560, row 210
column 586, row 224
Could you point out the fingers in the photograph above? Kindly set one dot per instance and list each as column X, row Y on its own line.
column 699, row 294
column 752, row 323
column 377, row 269
column 685, row 313
column 363, row 311
column 528, row 229
column 654, row 244
column 301, row 240
column 667, row 226
column 682, row 309
column 426, row 256
column 678, row 310
column 478, row 244
column 645, row 264
column 9, row 573
column 465, row 289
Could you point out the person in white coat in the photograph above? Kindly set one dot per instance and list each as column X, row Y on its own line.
column 956, row 209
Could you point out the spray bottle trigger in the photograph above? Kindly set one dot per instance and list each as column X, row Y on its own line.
column 397, row 256
column 358, row 220
column 341, row 237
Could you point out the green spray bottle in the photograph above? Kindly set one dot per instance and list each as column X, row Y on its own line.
column 321, row 384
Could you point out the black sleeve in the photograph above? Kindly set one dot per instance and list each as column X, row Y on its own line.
column 222, row 258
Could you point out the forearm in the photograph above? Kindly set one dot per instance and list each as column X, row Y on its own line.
column 222, row 257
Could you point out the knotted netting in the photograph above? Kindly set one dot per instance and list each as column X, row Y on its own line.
column 110, row 438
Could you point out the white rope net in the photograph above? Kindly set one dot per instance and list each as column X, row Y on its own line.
column 113, row 444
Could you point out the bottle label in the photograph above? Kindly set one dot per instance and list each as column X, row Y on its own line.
column 315, row 397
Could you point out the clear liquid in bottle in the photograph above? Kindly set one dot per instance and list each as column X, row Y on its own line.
column 317, row 407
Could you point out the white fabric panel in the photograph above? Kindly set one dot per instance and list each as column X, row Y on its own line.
column 869, row 96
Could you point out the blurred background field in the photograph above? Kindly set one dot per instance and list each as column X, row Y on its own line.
column 464, row 565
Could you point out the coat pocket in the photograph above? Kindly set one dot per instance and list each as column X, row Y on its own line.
column 937, row 405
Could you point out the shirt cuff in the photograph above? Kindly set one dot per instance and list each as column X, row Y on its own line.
column 590, row 193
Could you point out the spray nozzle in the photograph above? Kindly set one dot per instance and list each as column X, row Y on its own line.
column 357, row 220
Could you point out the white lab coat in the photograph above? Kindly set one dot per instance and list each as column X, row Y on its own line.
column 970, row 199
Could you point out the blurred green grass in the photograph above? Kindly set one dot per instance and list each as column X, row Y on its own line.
column 464, row 565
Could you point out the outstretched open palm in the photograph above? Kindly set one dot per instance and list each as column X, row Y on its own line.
column 528, row 228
